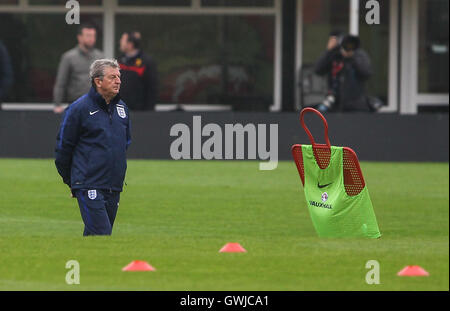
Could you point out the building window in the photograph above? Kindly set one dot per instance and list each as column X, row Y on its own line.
column 433, row 46
column 155, row 3
column 63, row 2
column 375, row 41
column 320, row 19
column 35, row 47
column 238, row 3
column 207, row 59
column 9, row 2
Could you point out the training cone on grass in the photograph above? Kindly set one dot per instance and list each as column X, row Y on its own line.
column 232, row 248
column 138, row 265
column 413, row 271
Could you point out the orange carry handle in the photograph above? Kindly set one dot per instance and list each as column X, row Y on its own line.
column 311, row 138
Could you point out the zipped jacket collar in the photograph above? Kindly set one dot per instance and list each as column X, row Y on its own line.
column 99, row 100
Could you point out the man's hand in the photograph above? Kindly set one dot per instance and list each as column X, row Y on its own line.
column 58, row 109
column 332, row 43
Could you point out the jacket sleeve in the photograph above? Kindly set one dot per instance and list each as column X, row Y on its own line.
column 151, row 82
column 62, row 79
column 323, row 64
column 6, row 72
column 66, row 141
column 361, row 63
column 128, row 131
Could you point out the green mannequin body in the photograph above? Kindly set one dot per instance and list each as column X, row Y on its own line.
column 333, row 212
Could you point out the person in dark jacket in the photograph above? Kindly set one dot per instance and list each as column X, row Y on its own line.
column 6, row 72
column 139, row 74
column 347, row 68
column 91, row 148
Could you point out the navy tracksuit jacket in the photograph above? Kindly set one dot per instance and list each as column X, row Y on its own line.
column 91, row 157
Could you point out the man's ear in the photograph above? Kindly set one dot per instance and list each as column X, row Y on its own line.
column 97, row 82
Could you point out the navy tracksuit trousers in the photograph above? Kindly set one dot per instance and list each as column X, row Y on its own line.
column 98, row 209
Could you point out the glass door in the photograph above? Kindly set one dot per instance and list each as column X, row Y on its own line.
column 424, row 55
column 433, row 47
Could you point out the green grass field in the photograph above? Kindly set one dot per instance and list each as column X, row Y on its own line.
column 178, row 214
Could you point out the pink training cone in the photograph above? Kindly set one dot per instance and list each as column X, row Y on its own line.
column 413, row 271
column 232, row 248
column 138, row 265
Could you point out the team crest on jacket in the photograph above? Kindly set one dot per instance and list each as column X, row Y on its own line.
column 121, row 112
column 92, row 194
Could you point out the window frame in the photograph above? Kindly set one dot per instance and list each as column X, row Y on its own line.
column 110, row 8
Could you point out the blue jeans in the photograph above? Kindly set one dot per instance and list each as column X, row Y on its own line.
column 98, row 209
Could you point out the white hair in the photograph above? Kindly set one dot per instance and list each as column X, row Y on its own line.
column 97, row 69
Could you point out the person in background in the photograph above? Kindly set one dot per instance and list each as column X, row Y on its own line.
column 347, row 68
column 6, row 72
column 73, row 70
column 139, row 74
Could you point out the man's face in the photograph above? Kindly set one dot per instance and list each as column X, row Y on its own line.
column 124, row 44
column 87, row 37
column 110, row 85
column 347, row 54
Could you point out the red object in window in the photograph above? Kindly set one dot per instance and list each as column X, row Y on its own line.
column 139, row 70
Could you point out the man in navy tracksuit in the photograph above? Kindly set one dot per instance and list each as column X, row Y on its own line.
column 91, row 148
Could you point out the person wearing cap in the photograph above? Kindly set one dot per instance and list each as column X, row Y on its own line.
column 347, row 68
